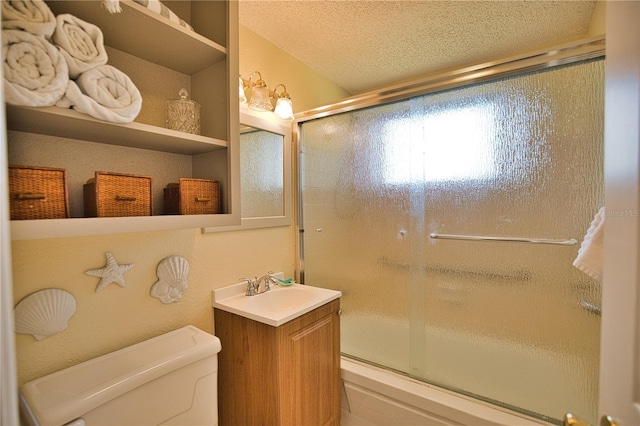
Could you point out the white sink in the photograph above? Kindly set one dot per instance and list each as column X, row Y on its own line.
column 279, row 301
column 275, row 307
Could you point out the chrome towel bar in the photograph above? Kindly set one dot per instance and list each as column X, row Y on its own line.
column 569, row 242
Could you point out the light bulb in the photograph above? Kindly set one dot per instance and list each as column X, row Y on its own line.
column 242, row 96
column 284, row 109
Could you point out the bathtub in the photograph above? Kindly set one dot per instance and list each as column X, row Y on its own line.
column 377, row 396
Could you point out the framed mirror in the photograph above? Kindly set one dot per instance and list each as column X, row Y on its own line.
column 265, row 173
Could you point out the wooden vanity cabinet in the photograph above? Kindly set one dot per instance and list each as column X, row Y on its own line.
column 286, row 375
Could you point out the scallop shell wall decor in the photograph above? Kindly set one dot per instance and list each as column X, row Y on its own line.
column 172, row 279
column 44, row 313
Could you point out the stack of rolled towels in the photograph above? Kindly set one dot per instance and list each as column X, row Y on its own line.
column 61, row 60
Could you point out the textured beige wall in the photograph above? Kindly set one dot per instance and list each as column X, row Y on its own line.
column 118, row 317
column 307, row 88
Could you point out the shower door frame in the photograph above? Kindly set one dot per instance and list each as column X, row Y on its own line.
column 568, row 53
column 563, row 54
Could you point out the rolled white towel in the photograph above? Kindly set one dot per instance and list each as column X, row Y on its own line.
column 35, row 73
column 104, row 92
column 80, row 42
column 32, row 16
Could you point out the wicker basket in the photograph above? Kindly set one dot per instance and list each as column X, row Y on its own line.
column 192, row 196
column 38, row 193
column 117, row 195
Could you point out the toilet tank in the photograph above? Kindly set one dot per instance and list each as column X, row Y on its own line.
column 167, row 380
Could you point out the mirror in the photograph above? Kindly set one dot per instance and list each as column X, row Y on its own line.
column 265, row 173
column 261, row 173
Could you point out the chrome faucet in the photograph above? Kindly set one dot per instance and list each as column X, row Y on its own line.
column 267, row 279
column 252, row 288
column 254, row 285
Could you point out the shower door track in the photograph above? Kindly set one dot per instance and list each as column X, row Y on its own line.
column 567, row 53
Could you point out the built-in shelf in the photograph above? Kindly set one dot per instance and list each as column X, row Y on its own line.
column 75, row 227
column 67, row 123
column 147, row 35
column 205, row 60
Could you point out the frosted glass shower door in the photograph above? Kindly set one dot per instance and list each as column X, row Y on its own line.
column 512, row 323
column 352, row 226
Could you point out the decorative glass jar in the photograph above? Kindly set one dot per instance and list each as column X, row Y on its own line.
column 183, row 114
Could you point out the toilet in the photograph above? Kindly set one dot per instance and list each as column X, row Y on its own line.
column 167, row 380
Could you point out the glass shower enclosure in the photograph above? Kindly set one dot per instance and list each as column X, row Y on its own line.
column 396, row 199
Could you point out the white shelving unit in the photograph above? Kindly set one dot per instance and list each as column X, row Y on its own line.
column 148, row 47
column 67, row 123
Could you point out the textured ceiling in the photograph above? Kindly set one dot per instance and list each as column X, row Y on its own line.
column 365, row 44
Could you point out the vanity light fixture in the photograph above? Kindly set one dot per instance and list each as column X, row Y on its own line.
column 243, row 97
column 258, row 97
column 284, row 106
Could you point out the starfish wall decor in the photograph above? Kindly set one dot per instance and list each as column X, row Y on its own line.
column 111, row 273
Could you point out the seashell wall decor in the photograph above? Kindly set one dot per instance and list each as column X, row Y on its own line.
column 172, row 279
column 44, row 313
column 113, row 272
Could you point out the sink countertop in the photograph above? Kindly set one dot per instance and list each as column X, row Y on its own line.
column 275, row 308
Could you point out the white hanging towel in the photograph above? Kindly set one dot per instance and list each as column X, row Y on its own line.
column 591, row 253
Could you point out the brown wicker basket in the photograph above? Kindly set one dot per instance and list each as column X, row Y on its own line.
column 38, row 193
column 192, row 196
column 117, row 195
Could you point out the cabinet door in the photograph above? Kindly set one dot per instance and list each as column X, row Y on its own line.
column 247, row 371
column 310, row 368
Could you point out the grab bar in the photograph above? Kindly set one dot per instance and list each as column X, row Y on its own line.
column 569, row 242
